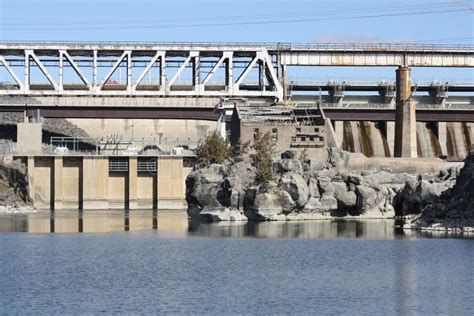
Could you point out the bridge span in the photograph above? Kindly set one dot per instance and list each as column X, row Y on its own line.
column 94, row 65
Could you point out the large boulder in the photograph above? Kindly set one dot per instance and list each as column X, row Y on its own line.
column 296, row 186
column 454, row 209
column 416, row 195
column 345, row 199
column 291, row 165
column 271, row 204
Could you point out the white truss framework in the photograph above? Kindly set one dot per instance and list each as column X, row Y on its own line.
column 270, row 59
column 126, row 60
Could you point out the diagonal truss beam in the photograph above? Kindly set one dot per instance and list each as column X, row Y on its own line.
column 191, row 55
column 248, row 69
column 272, row 74
column 11, row 72
column 225, row 55
column 76, row 68
column 126, row 53
column 159, row 54
column 31, row 53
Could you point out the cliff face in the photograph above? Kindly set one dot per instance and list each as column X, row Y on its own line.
column 455, row 208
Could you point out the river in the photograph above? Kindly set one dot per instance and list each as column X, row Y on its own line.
column 143, row 262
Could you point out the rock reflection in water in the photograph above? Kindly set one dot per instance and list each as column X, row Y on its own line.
column 299, row 229
column 176, row 223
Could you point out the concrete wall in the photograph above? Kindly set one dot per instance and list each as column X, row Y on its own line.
column 118, row 195
column 167, row 129
column 43, row 183
column 86, row 183
column 72, row 183
column 146, row 190
column 170, row 183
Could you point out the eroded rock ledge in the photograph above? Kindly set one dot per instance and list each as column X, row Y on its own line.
column 297, row 191
column 454, row 209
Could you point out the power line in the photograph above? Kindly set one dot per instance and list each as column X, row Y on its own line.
column 348, row 17
column 433, row 5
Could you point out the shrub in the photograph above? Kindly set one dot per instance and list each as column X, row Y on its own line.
column 214, row 149
column 262, row 157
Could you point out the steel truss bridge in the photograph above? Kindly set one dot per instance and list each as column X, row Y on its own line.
column 249, row 69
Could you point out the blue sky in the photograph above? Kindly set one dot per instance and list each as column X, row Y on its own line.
column 434, row 21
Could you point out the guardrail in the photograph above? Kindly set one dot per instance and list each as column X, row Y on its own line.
column 404, row 47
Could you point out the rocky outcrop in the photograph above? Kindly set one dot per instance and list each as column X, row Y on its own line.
column 228, row 192
column 454, row 208
column 13, row 188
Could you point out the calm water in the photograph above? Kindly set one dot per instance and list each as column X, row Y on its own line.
column 159, row 263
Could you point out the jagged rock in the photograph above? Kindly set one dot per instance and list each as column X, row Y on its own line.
column 416, row 195
column 271, row 205
column 328, row 202
column 291, row 165
column 296, row 186
column 366, row 199
column 215, row 173
column 325, row 185
column 455, row 206
column 289, row 154
column 313, row 188
column 344, row 198
column 223, row 214
column 313, row 205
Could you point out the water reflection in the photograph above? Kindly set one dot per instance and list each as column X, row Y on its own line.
column 177, row 223
column 95, row 221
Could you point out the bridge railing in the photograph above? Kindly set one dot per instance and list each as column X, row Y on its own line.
column 379, row 47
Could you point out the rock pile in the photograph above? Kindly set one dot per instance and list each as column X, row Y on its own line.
column 13, row 186
column 227, row 191
column 454, row 209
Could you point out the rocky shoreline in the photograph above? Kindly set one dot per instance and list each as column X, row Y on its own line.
column 454, row 210
column 298, row 191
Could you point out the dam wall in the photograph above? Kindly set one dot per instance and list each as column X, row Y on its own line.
column 106, row 182
column 452, row 140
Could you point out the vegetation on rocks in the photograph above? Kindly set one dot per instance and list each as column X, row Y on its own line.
column 262, row 157
column 213, row 150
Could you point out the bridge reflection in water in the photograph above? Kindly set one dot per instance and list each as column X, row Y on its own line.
column 176, row 224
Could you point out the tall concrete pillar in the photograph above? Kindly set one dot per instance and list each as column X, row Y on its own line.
column 58, row 183
column 339, row 130
column 443, row 138
column 391, row 137
column 30, row 165
column 132, row 183
column 405, row 116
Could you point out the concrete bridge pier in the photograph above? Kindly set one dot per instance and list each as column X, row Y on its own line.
column 405, row 116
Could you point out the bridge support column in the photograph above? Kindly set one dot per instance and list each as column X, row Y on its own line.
column 132, row 183
column 405, row 116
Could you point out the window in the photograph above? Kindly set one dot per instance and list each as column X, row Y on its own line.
column 303, row 139
column 298, row 130
column 311, row 139
column 316, row 130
